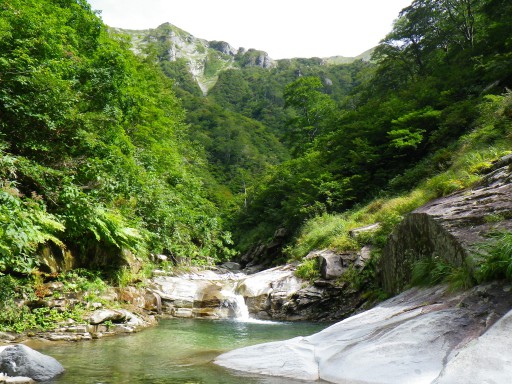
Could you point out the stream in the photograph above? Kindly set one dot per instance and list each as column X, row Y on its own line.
column 175, row 351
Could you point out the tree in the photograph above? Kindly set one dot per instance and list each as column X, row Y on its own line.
column 314, row 110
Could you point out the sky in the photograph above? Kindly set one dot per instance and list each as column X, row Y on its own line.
column 282, row 28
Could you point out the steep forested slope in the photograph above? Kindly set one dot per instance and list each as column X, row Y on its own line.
column 434, row 75
column 94, row 146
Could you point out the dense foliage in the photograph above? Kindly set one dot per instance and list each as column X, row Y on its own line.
column 93, row 144
column 402, row 123
column 100, row 148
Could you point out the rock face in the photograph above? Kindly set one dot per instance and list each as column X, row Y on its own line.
column 198, row 294
column 450, row 227
column 275, row 293
column 20, row 360
column 267, row 292
column 198, row 53
column 103, row 315
column 420, row 336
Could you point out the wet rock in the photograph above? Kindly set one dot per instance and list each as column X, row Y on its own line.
column 267, row 290
column 20, row 360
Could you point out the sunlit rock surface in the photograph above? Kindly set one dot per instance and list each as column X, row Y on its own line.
column 274, row 293
column 409, row 339
column 450, row 227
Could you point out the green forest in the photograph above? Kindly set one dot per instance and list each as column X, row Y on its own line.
column 104, row 151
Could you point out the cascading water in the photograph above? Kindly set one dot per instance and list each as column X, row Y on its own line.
column 241, row 309
column 236, row 303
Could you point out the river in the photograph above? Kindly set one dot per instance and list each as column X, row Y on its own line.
column 175, row 351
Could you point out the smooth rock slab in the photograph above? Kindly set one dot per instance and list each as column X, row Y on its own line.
column 20, row 360
column 405, row 340
column 485, row 360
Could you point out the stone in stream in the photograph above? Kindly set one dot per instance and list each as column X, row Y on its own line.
column 20, row 360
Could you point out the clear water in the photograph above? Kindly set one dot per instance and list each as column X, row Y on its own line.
column 176, row 351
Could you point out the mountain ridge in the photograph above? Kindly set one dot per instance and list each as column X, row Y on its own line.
column 206, row 59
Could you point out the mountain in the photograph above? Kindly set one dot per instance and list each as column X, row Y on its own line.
column 234, row 99
column 205, row 59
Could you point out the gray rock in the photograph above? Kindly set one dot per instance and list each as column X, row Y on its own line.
column 102, row 315
column 363, row 256
column 231, row 266
column 333, row 265
column 448, row 228
column 20, row 360
column 413, row 337
column 223, row 47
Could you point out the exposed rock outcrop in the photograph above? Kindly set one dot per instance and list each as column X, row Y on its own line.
column 223, row 47
column 413, row 337
column 450, row 227
column 274, row 293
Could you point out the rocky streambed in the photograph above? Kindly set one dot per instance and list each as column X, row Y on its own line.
column 272, row 294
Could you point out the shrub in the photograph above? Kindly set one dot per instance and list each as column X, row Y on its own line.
column 309, row 269
column 495, row 258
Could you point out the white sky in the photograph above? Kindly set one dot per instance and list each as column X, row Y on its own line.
column 282, row 28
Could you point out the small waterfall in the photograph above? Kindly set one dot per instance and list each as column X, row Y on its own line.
column 241, row 309
column 236, row 305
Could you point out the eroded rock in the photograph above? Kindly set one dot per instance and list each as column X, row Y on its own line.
column 103, row 315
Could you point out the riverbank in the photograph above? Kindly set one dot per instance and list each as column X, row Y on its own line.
column 62, row 311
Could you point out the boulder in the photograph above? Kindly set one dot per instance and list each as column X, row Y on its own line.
column 103, row 315
column 197, row 294
column 268, row 290
column 231, row 266
column 332, row 264
column 20, row 360
column 131, row 295
column 449, row 228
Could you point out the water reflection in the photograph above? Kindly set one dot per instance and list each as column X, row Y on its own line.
column 177, row 351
